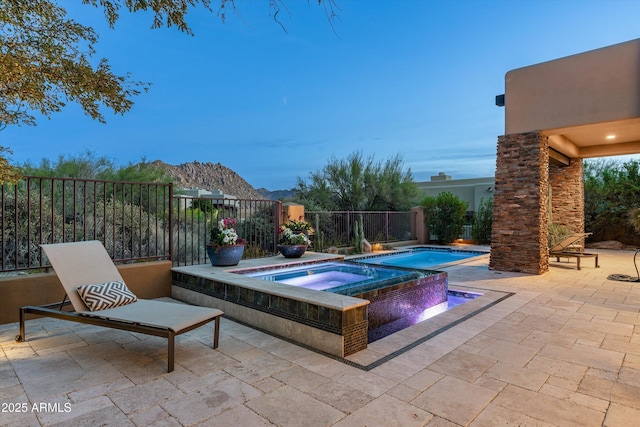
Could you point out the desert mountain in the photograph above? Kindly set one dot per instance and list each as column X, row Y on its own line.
column 210, row 176
column 277, row 194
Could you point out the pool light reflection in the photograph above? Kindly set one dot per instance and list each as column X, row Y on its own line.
column 432, row 311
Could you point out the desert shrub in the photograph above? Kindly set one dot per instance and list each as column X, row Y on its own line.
column 634, row 219
column 557, row 233
column 444, row 216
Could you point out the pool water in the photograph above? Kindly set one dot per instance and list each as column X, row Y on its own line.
column 421, row 258
column 339, row 277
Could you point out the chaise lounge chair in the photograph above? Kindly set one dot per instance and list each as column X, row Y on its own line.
column 567, row 249
column 85, row 268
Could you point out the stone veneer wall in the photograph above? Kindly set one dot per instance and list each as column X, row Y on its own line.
column 567, row 195
column 520, row 216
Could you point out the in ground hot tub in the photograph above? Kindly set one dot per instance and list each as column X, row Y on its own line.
column 392, row 293
column 336, row 320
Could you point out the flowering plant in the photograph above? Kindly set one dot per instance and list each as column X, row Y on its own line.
column 289, row 235
column 299, row 225
column 224, row 233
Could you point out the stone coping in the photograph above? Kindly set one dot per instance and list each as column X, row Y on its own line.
column 229, row 275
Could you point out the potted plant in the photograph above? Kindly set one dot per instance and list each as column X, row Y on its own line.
column 225, row 248
column 294, row 239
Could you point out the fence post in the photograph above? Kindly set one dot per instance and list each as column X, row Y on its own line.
column 277, row 214
column 348, row 228
column 170, row 222
column 386, row 231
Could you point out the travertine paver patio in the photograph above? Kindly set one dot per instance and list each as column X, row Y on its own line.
column 563, row 350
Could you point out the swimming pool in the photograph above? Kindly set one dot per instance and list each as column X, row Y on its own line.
column 421, row 258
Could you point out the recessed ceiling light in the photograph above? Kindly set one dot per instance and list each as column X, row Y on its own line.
column 611, row 137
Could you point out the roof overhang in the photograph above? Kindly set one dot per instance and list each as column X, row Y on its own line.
column 597, row 140
column 587, row 104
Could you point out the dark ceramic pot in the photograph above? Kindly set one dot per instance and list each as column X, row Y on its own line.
column 292, row 251
column 223, row 256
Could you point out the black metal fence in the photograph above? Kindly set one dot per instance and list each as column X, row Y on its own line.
column 335, row 228
column 134, row 221
column 146, row 221
column 131, row 219
column 257, row 222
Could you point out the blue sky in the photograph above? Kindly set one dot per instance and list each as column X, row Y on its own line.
column 410, row 77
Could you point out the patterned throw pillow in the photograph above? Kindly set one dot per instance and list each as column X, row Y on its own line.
column 106, row 295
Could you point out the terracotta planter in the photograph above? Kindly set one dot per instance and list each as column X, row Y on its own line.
column 223, row 256
column 292, row 251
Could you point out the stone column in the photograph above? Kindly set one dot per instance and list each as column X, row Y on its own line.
column 520, row 215
column 567, row 195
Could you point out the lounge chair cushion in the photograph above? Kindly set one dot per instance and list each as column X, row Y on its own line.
column 175, row 316
column 102, row 296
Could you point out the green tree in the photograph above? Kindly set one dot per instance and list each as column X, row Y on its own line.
column 444, row 216
column 612, row 191
column 8, row 173
column 482, row 222
column 88, row 165
column 357, row 184
column 47, row 59
column 174, row 12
